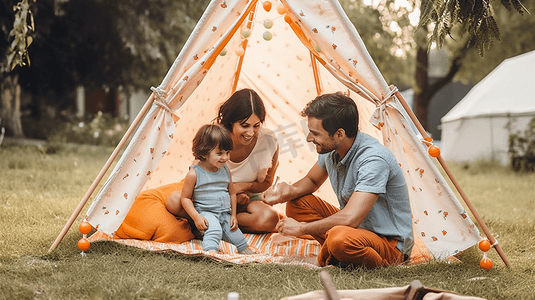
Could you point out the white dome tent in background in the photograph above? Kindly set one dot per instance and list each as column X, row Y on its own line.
column 476, row 127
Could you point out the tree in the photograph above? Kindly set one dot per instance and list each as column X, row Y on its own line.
column 137, row 41
column 97, row 43
column 473, row 28
column 389, row 49
column 460, row 31
column 474, row 16
column 17, row 41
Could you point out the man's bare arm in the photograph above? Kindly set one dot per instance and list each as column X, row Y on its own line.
column 307, row 185
column 351, row 215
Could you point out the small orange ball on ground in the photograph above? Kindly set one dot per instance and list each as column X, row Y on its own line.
column 434, row 151
column 484, row 245
column 85, row 227
column 486, row 263
column 84, row 244
column 267, row 6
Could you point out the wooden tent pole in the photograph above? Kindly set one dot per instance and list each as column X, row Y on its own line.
column 210, row 61
column 328, row 285
column 316, row 73
column 127, row 135
column 454, row 181
column 473, row 210
column 103, row 171
column 411, row 114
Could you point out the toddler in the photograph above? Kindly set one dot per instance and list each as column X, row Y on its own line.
column 208, row 194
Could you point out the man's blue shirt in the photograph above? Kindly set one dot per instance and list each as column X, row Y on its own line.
column 372, row 168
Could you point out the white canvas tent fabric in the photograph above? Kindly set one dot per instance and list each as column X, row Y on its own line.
column 475, row 128
column 319, row 37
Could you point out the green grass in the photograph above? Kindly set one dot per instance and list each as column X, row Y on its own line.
column 39, row 192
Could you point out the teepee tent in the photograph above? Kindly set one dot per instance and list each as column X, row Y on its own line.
column 289, row 55
column 477, row 127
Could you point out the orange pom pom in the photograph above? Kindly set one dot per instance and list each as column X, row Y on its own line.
column 281, row 9
column 85, row 227
column 288, row 19
column 484, row 245
column 240, row 51
column 83, row 244
column 267, row 6
column 434, row 151
column 486, row 263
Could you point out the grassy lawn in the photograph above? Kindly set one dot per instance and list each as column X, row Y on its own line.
column 39, row 192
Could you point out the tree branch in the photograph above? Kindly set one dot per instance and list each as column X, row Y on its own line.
column 454, row 68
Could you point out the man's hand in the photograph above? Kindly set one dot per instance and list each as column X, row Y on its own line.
column 289, row 226
column 275, row 194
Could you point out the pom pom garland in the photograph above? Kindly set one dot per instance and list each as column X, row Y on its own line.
column 486, row 263
column 246, row 32
column 240, row 51
column 267, row 36
column 434, row 151
column 268, row 24
column 267, row 5
column 281, row 9
column 484, row 245
column 84, row 244
column 85, row 227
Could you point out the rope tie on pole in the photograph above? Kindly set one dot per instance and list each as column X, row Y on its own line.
column 161, row 101
column 377, row 118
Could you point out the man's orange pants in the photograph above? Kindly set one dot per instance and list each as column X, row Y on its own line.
column 344, row 245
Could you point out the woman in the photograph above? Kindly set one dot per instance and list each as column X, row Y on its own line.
column 158, row 215
column 253, row 161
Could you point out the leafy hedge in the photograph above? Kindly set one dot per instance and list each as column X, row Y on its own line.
column 522, row 149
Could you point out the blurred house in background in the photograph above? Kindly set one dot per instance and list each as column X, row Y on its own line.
column 501, row 104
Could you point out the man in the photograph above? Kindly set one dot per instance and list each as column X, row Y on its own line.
column 373, row 226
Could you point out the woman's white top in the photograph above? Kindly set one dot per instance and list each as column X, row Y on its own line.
column 255, row 166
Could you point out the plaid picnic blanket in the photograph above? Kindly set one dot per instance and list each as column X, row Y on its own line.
column 270, row 248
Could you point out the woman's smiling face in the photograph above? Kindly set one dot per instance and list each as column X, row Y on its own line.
column 244, row 131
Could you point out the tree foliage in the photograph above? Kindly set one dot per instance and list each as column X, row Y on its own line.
column 386, row 31
column 107, row 43
column 517, row 37
column 128, row 43
column 95, row 43
column 133, row 42
column 391, row 50
column 19, row 37
column 476, row 18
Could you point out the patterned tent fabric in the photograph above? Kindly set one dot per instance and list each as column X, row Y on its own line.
column 313, row 49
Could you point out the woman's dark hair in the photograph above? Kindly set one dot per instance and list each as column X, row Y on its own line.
column 335, row 111
column 239, row 107
column 208, row 138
